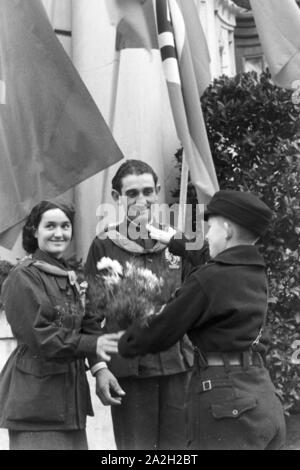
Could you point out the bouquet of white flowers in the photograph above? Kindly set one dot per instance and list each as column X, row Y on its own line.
column 122, row 294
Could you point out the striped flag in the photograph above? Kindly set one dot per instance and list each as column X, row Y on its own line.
column 52, row 135
column 278, row 25
column 186, row 64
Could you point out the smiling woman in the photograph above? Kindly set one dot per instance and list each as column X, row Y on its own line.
column 48, row 226
column 54, row 232
column 44, row 393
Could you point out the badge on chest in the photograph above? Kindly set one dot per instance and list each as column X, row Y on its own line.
column 173, row 261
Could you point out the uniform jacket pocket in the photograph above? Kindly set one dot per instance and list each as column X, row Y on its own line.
column 37, row 391
column 233, row 408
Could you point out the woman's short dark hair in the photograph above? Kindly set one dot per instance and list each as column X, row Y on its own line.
column 132, row 167
column 29, row 241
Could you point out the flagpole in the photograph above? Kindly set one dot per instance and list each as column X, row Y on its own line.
column 115, row 84
column 112, row 115
column 183, row 193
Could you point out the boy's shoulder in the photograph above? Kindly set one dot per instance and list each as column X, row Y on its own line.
column 205, row 274
column 231, row 262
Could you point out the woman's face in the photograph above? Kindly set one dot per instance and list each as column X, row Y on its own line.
column 54, row 232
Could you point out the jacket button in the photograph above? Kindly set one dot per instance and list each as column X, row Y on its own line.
column 235, row 412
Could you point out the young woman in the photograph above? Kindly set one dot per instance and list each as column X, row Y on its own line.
column 44, row 393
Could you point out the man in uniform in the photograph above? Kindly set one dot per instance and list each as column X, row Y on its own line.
column 152, row 413
column 223, row 309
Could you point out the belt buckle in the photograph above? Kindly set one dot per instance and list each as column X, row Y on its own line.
column 206, row 385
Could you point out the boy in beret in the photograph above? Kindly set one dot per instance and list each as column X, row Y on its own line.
column 222, row 307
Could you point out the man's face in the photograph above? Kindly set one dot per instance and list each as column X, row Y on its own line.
column 216, row 235
column 140, row 193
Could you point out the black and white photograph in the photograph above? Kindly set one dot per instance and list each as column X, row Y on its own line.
column 149, row 227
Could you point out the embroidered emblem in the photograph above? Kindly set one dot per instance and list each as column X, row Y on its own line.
column 172, row 260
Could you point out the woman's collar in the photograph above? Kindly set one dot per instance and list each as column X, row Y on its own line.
column 47, row 258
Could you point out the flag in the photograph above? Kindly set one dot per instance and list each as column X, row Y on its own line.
column 186, row 64
column 128, row 85
column 59, row 13
column 243, row 4
column 136, row 24
column 278, row 25
column 52, row 135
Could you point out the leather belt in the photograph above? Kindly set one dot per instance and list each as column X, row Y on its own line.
column 211, row 359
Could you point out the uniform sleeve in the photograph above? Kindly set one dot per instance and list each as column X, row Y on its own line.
column 195, row 257
column 166, row 328
column 190, row 258
column 32, row 316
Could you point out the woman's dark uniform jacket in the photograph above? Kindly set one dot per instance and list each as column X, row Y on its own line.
column 43, row 385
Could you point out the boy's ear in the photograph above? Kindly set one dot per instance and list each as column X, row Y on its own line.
column 115, row 195
column 158, row 187
column 229, row 230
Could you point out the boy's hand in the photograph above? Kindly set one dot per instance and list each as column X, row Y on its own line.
column 107, row 344
column 163, row 236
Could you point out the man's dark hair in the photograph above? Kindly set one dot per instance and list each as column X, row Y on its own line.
column 132, row 167
column 29, row 241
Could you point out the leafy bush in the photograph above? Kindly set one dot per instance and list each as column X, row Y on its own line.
column 253, row 128
column 5, row 267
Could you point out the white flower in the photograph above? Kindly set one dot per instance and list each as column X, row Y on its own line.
column 113, row 266
column 83, row 285
column 143, row 276
column 111, row 279
column 113, row 270
column 129, row 268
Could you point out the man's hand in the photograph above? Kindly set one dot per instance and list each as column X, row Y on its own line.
column 108, row 388
column 107, row 344
column 163, row 236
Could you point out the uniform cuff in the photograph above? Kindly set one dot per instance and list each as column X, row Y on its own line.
column 88, row 345
column 96, row 367
column 177, row 245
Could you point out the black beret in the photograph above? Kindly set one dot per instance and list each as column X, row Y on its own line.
column 243, row 208
column 60, row 203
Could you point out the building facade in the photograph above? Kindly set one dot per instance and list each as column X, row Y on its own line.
column 131, row 92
